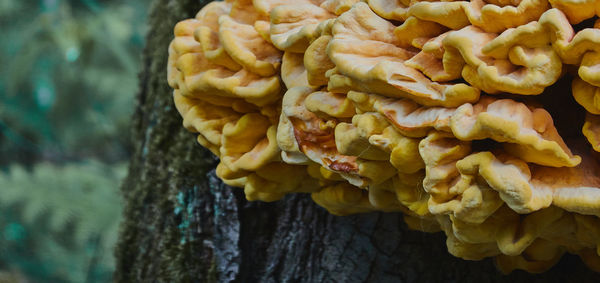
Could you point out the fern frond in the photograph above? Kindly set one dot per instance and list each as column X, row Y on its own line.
column 70, row 212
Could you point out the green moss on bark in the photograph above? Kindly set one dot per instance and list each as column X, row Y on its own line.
column 167, row 165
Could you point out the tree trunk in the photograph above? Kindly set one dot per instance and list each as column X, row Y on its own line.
column 183, row 225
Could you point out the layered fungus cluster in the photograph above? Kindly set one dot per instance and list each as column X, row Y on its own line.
column 440, row 110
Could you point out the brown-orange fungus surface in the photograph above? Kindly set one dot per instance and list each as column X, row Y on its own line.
column 480, row 119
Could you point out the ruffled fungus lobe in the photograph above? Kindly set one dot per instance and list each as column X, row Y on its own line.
column 429, row 108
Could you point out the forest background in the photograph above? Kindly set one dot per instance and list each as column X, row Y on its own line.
column 67, row 88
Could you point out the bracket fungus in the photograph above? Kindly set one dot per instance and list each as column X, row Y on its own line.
column 451, row 112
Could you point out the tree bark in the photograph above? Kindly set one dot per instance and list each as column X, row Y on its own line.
column 183, row 225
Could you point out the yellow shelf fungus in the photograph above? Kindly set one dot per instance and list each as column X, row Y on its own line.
column 438, row 110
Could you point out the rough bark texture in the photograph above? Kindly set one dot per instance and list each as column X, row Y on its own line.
column 183, row 225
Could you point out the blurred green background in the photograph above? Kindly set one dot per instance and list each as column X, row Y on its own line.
column 67, row 87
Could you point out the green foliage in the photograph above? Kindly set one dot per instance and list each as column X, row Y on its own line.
column 67, row 87
column 61, row 223
column 69, row 76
